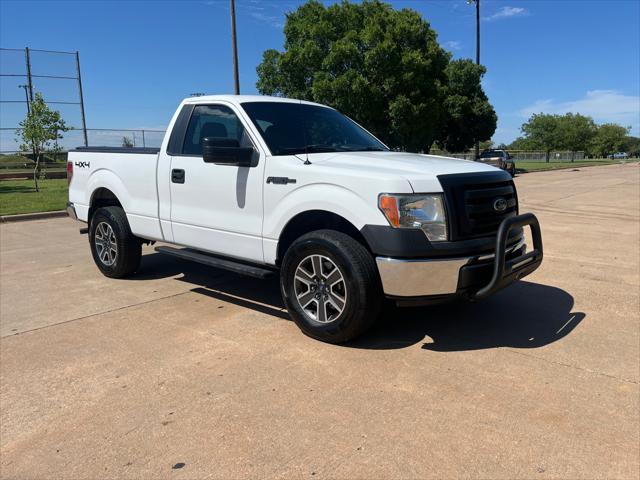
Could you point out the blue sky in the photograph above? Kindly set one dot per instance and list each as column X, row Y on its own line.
column 140, row 58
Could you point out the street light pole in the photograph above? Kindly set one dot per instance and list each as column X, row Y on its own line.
column 477, row 2
column 236, row 81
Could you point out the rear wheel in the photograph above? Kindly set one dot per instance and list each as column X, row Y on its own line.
column 330, row 286
column 116, row 251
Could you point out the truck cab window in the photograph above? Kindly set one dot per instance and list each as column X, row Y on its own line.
column 290, row 128
column 212, row 121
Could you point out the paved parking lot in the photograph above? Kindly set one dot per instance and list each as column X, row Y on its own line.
column 189, row 372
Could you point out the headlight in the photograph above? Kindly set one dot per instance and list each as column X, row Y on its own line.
column 423, row 211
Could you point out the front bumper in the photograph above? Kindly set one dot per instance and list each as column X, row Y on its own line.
column 473, row 276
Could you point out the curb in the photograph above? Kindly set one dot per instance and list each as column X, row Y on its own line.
column 32, row 216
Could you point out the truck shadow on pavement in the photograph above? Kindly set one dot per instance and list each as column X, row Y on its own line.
column 524, row 315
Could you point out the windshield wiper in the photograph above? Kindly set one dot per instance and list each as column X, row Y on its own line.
column 315, row 148
column 369, row 149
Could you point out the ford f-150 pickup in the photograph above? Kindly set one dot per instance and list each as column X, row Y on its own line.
column 263, row 186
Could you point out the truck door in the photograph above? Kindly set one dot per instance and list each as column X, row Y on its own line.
column 216, row 208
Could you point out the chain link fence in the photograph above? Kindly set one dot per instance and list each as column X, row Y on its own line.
column 12, row 158
column 524, row 155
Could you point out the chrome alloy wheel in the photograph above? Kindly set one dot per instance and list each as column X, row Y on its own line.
column 106, row 245
column 320, row 288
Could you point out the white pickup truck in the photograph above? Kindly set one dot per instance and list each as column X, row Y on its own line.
column 262, row 186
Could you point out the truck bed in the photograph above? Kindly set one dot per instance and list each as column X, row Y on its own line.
column 127, row 173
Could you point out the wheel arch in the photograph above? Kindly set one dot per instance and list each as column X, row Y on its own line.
column 102, row 197
column 310, row 220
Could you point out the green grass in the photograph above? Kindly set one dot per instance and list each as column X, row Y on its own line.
column 539, row 166
column 20, row 196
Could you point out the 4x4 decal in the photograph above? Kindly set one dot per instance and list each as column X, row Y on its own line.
column 83, row 164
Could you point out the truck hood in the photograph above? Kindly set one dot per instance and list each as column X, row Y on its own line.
column 421, row 171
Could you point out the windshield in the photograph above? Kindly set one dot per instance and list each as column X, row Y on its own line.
column 293, row 128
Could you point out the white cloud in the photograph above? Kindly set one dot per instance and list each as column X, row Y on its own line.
column 603, row 105
column 272, row 20
column 262, row 11
column 507, row 12
column 453, row 45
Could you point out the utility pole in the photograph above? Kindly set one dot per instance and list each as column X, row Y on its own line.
column 236, row 81
column 477, row 2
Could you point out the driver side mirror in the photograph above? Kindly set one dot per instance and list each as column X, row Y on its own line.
column 226, row 151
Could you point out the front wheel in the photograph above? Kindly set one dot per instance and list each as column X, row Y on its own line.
column 330, row 285
column 116, row 251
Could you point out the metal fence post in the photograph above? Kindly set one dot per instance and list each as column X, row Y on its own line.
column 84, row 121
column 29, row 79
column 144, row 144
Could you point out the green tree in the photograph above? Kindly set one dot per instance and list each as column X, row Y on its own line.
column 575, row 132
column 632, row 146
column 610, row 138
column 541, row 132
column 39, row 132
column 521, row 143
column 468, row 114
column 382, row 67
column 547, row 132
column 127, row 142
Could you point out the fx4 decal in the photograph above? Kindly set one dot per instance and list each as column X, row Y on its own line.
column 83, row 164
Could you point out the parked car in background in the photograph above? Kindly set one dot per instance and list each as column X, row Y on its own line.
column 272, row 186
column 500, row 159
column 619, row 155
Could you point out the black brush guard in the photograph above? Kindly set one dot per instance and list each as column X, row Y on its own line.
column 507, row 271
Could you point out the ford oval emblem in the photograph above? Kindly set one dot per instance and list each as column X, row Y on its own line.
column 500, row 204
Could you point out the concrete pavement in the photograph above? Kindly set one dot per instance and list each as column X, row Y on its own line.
column 189, row 372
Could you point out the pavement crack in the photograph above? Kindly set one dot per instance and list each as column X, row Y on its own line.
column 562, row 364
column 94, row 314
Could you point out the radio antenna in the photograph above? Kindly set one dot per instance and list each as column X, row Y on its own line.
column 304, row 136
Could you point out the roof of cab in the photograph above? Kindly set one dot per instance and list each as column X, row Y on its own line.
column 238, row 99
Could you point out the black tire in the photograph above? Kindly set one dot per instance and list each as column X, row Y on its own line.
column 362, row 290
column 128, row 248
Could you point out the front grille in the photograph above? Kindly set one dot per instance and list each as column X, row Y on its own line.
column 471, row 201
column 482, row 218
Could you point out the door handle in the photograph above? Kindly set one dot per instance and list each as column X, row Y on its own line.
column 177, row 175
